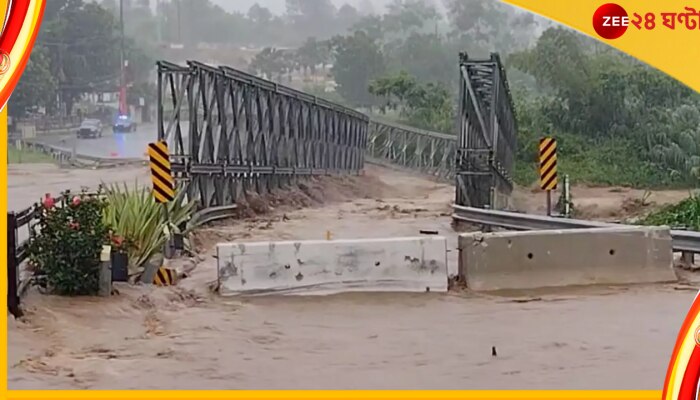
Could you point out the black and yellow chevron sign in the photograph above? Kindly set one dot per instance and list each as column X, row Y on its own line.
column 548, row 163
column 165, row 277
column 163, row 182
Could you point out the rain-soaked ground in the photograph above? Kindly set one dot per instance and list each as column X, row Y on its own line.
column 187, row 337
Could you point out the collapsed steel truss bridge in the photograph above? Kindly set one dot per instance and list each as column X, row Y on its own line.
column 230, row 132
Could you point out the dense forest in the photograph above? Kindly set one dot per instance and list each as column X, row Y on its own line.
column 618, row 121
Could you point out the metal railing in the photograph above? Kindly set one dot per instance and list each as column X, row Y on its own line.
column 66, row 157
column 683, row 241
column 46, row 123
column 431, row 153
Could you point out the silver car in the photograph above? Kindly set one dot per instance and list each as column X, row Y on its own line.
column 90, row 128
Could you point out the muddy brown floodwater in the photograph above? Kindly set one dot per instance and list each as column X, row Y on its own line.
column 187, row 337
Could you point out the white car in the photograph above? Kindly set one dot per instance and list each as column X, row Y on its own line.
column 90, row 128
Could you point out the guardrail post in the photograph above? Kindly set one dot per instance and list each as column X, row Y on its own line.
column 688, row 258
column 12, row 267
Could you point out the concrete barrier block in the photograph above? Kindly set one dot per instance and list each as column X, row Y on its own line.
column 416, row 264
column 551, row 258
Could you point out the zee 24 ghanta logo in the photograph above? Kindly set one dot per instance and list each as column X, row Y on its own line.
column 611, row 20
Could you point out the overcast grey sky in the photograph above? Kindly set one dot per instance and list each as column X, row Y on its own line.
column 278, row 6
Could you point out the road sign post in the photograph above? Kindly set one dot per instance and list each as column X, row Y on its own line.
column 548, row 168
column 163, row 188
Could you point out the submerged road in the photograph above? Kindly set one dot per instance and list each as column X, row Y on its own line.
column 110, row 145
column 155, row 337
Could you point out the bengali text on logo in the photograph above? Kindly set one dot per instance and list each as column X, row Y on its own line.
column 611, row 20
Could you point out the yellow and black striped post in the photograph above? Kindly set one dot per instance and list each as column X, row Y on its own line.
column 165, row 277
column 548, row 168
column 163, row 192
column 163, row 182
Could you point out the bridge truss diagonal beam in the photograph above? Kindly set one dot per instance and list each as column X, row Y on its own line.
column 487, row 134
column 428, row 152
column 231, row 132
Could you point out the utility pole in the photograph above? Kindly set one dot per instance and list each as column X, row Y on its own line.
column 123, row 109
column 179, row 23
column 159, row 23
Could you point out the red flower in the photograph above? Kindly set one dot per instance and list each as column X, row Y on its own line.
column 48, row 201
column 74, row 225
column 76, row 201
column 117, row 240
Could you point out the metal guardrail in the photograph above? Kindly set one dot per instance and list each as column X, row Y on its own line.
column 683, row 241
column 66, row 157
column 210, row 214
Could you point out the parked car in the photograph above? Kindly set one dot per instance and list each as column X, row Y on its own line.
column 124, row 124
column 90, row 128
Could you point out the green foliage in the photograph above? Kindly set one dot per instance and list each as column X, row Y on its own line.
column 24, row 156
column 314, row 17
column 358, row 60
column 78, row 52
column 134, row 215
column 427, row 106
column 426, row 56
column 685, row 214
column 409, row 16
column 273, row 63
column 36, row 87
column 65, row 247
column 618, row 121
column 609, row 162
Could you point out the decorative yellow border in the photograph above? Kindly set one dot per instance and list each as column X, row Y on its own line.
column 671, row 51
column 339, row 395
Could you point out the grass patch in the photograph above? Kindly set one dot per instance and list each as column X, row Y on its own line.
column 685, row 214
column 610, row 162
column 16, row 156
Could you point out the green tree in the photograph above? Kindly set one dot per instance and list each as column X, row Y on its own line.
column 84, row 49
column 312, row 17
column 372, row 26
column 272, row 63
column 427, row 57
column 309, row 55
column 410, row 16
column 424, row 105
column 37, row 87
column 358, row 60
column 347, row 17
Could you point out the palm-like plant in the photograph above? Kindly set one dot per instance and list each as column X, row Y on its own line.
column 134, row 215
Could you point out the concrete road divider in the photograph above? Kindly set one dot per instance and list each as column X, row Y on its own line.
column 414, row 264
column 539, row 259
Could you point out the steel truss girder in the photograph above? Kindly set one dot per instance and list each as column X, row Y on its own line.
column 230, row 132
column 487, row 133
column 428, row 152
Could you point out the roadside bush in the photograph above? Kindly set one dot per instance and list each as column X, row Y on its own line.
column 134, row 215
column 66, row 244
column 685, row 214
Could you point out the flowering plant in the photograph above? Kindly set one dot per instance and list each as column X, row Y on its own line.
column 119, row 243
column 66, row 243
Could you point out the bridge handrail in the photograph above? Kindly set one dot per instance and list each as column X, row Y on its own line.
column 434, row 134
